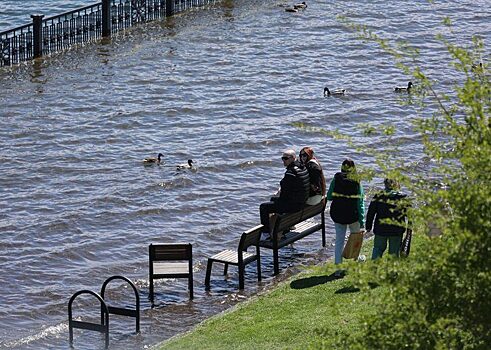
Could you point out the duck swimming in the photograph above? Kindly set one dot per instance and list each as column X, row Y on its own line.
column 300, row 6
column 477, row 68
column 189, row 165
column 152, row 160
column 336, row 92
column 404, row 89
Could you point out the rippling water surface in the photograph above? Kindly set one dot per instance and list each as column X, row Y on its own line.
column 219, row 85
column 14, row 13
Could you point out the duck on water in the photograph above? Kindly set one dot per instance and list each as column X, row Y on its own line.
column 188, row 165
column 300, row 6
column 404, row 89
column 336, row 92
column 152, row 160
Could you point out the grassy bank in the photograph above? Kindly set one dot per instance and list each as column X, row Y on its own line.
column 292, row 316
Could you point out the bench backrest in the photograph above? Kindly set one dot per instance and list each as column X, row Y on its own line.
column 250, row 237
column 286, row 220
column 170, row 251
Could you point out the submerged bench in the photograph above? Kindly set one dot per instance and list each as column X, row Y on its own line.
column 281, row 234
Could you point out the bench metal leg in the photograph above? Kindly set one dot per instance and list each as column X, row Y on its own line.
column 151, row 290
column 323, row 222
column 258, row 262
column 241, row 276
column 276, row 262
column 208, row 274
column 225, row 269
column 190, row 285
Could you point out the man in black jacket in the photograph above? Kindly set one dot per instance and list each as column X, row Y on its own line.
column 294, row 190
column 389, row 209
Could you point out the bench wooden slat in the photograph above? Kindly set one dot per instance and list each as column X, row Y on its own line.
column 305, row 225
column 166, row 260
column 292, row 236
column 231, row 257
column 240, row 257
column 312, row 210
column 251, row 237
column 227, row 256
column 284, row 223
column 170, row 268
column 281, row 234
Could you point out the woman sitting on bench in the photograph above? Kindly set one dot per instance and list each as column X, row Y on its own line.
column 317, row 179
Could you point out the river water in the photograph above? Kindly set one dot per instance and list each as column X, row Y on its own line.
column 220, row 85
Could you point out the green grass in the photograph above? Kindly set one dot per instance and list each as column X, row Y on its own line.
column 292, row 316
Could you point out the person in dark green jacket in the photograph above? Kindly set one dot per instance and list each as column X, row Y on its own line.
column 347, row 207
column 387, row 214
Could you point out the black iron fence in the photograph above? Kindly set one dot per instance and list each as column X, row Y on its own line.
column 47, row 35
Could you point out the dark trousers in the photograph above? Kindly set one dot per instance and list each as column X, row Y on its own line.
column 274, row 206
column 264, row 210
column 380, row 245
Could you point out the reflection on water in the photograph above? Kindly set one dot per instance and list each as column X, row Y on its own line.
column 37, row 74
column 228, row 9
column 220, row 85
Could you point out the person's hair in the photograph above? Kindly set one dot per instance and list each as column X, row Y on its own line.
column 289, row 153
column 309, row 151
column 348, row 166
column 391, row 184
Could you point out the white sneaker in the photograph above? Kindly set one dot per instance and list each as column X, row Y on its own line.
column 265, row 236
column 362, row 258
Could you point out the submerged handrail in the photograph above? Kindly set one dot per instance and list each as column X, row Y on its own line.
column 103, row 327
column 123, row 311
column 86, row 24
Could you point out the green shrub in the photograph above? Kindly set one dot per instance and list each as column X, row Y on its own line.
column 439, row 298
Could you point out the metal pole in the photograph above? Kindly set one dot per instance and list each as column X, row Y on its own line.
column 106, row 18
column 169, row 8
column 37, row 33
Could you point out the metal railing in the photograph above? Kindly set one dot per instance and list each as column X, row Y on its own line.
column 70, row 28
column 16, row 45
column 86, row 24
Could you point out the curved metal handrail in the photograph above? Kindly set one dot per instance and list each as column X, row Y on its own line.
column 103, row 327
column 123, row 311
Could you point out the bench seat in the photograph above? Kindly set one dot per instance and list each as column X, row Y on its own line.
column 232, row 257
column 301, row 230
column 176, row 269
column 170, row 260
column 240, row 257
column 282, row 236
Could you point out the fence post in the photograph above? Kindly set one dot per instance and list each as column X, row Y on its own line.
column 169, row 8
column 106, row 18
column 37, row 35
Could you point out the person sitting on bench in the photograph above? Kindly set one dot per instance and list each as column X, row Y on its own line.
column 317, row 179
column 294, row 190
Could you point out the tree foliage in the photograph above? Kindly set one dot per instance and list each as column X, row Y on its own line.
column 439, row 298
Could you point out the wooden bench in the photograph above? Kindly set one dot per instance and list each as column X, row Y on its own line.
column 281, row 234
column 239, row 257
column 171, row 260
